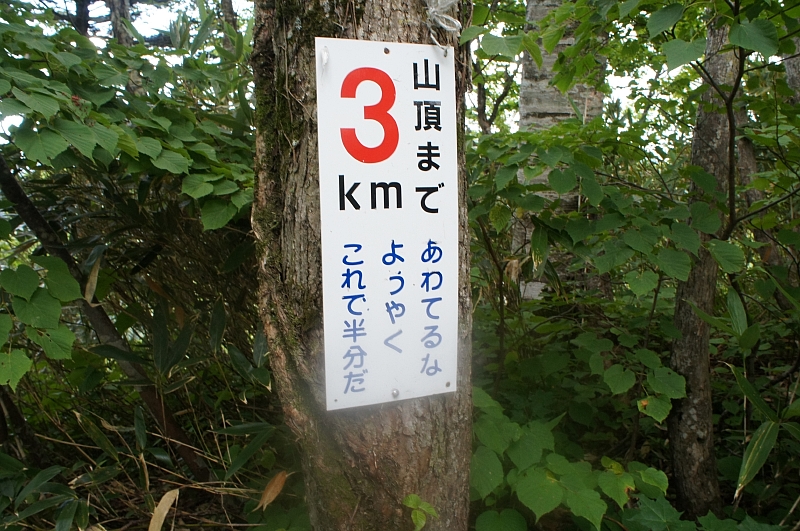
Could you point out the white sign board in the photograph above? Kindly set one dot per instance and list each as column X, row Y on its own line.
column 389, row 207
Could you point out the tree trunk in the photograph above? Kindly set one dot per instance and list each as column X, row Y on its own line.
column 691, row 427
column 359, row 464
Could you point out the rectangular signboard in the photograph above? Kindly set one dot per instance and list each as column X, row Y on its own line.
column 388, row 187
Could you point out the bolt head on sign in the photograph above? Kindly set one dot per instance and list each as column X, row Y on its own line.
column 388, row 171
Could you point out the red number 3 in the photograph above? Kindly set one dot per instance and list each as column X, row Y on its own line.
column 378, row 112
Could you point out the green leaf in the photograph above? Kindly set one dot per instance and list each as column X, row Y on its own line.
column 42, row 146
column 508, row 520
column 114, row 353
column 489, row 431
column 619, row 379
column 57, row 343
column 96, row 435
column 419, row 519
column 470, row 33
column 616, row 486
column 496, row 45
column 592, row 190
column 225, row 187
column 562, row 181
column 203, row 148
column 5, row 86
column 21, row 282
column 552, row 36
column 704, row 218
column 216, row 213
column 68, row 59
column 711, row 523
column 658, row 515
column 125, row 142
column 675, row 264
column 160, row 334
column 752, row 395
column 729, row 256
column 540, row 492
column 655, row 406
column 587, row 504
column 641, row 284
column 758, row 449
column 667, row 382
column 486, row 472
column 60, row 282
column 106, row 138
column 527, row 450
column 663, row 19
column 685, row 237
column 42, row 311
column 639, row 241
column 66, row 516
column 648, row 358
column 140, row 429
column 149, row 146
column 172, row 162
column 42, row 477
column 737, row 313
column 626, row 7
column 656, row 478
column 505, row 175
column 79, row 135
column 246, row 453
column 13, row 366
column 202, row 34
column 680, row 52
column 38, row 102
column 759, row 35
column 750, row 337
column 500, row 216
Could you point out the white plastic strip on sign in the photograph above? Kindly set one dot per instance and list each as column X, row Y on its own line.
column 389, row 207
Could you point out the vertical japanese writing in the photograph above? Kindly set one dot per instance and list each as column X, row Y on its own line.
column 354, row 328
column 431, row 282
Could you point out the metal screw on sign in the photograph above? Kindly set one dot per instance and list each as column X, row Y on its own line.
column 395, row 393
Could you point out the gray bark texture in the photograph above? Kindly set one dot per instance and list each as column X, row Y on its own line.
column 691, row 427
column 358, row 464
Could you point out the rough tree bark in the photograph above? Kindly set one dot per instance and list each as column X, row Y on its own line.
column 691, row 427
column 358, row 464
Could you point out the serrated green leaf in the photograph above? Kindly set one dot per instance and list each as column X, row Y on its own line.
column 667, row 382
column 125, row 142
column 592, row 190
column 60, row 282
column 657, row 515
column 42, row 311
column 704, row 218
column 616, row 486
column 663, row 19
column 711, row 523
column 656, row 407
column 149, row 146
column 552, row 36
column 675, row 264
column 470, row 33
column 505, row 175
column 42, row 146
column 38, row 102
column 21, row 282
column 619, row 379
column 57, row 343
column 106, row 138
column 172, row 162
column 729, row 256
column 195, row 186
column 656, row 478
column 539, row 492
column 499, row 216
column 217, row 213
column 68, row 59
column 759, row 35
column 79, row 135
column 685, row 237
column 680, row 52
column 626, row 7
column 486, row 471
column 562, row 181
column 225, row 187
column 527, row 450
column 586, row 503
column 641, row 283
column 13, row 366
